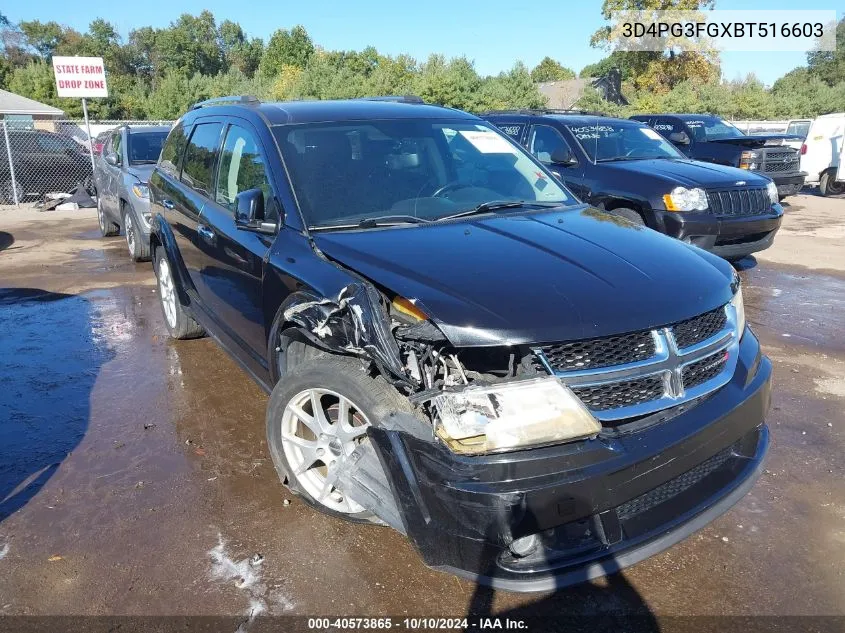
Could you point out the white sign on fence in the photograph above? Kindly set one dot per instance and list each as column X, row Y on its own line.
column 80, row 77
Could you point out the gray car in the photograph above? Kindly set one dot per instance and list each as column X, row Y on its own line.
column 122, row 170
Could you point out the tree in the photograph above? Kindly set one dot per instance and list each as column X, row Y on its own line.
column 44, row 37
column 238, row 51
column 550, row 70
column 829, row 66
column 659, row 70
column 512, row 89
column 286, row 48
column 454, row 84
column 188, row 46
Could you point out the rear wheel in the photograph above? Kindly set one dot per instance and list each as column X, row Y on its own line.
column 828, row 186
column 180, row 324
column 316, row 417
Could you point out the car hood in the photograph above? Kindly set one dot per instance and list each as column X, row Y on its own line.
column 537, row 277
column 689, row 173
column 141, row 172
column 755, row 140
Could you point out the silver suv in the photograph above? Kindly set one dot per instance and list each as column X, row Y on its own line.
column 122, row 170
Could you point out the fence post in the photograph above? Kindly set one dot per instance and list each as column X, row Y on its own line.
column 11, row 164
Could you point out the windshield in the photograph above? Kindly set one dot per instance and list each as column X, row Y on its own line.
column 711, row 128
column 345, row 172
column 605, row 141
column 799, row 128
column 144, row 147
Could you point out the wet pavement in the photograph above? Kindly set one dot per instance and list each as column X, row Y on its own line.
column 135, row 477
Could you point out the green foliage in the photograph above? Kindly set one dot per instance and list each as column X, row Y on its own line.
column 286, row 48
column 551, row 70
column 158, row 73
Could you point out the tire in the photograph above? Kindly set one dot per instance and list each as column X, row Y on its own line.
column 629, row 214
column 370, row 401
column 107, row 227
column 138, row 250
column 180, row 324
column 828, row 185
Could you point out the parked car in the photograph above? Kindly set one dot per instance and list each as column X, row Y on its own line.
column 123, row 169
column 821, row 154
column 533, row 391
column 708, row 138
column 629, row 170
column 43, row 162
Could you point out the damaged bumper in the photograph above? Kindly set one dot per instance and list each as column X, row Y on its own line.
column 578, row 510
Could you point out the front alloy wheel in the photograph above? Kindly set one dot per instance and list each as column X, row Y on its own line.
column 167, row 292
column 131, row 238
column 319, row 429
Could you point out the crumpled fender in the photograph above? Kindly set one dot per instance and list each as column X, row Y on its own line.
column 353, row 322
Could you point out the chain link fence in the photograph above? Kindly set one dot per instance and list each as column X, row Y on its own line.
column 50, row 157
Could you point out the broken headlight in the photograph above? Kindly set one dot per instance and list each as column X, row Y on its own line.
column 511, row 415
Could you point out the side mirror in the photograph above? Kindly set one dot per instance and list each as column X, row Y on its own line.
column 112, row 159
column 564, row 156
column 679, row 138
column 249, row 212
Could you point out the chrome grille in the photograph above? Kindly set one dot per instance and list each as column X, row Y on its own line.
column 681, row 362
column 779, row 160
column 743, row 201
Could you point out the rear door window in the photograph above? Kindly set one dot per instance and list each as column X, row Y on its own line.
column 170, row 160
column 200, row 157
column 514, row 130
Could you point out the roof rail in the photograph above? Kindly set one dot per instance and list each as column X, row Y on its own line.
column 395, row 99
column 541, row 111
column 230, row 100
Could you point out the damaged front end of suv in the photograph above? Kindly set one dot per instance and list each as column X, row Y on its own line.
column 531, row 465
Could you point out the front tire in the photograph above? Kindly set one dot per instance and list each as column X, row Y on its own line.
column 107, row 227
column 180, row 324
column 629, row 214
column 139, row 251
column 318, row 413
column 828, row 185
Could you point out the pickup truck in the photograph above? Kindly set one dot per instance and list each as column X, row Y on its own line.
column 708, row 138
column 629, row 170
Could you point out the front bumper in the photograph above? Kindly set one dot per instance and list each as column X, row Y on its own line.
column 727, row 236
column 595, row 506
column 788, row 184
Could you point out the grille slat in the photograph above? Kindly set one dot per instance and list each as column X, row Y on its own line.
column 743, row 201
column 700, row 328
column 701, row 371
column 600, row 352
column 621, row 394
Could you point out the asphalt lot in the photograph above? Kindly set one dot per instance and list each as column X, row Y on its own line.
column 135, row 477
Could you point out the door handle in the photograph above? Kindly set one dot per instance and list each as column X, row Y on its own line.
column 205, row 233
column 168, row 204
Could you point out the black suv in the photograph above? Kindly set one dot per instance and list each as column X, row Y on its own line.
column 533, row 391
column 707, row 137
column 627, row 169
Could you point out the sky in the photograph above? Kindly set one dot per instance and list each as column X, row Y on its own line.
column 494, row 33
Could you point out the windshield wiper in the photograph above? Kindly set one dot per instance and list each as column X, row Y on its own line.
column 371, row 223
column 495, row 205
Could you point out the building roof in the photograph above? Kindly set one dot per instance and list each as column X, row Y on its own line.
column 10, row 103
column 563, row 94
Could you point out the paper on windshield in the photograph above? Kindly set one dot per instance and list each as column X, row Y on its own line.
column 650, row 133
column 488, row 142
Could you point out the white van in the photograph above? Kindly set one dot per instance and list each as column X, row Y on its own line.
column 821, row 154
